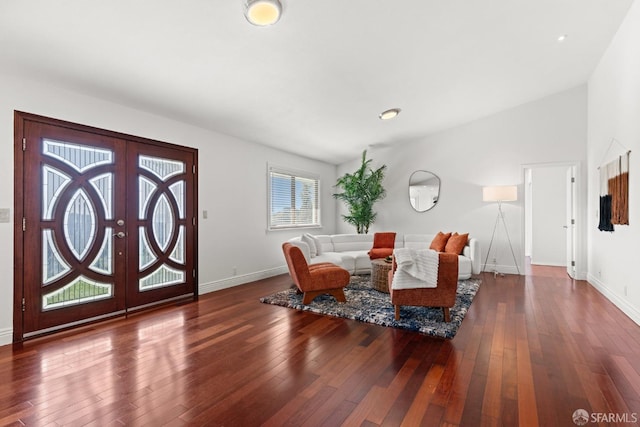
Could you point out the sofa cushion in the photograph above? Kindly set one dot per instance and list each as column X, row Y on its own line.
column 456, row 243
column 439, row 242
column 323, row 243
column 352, row 242
column 464, row 267
column 360, row 261
column 332, row 257
column 417, row 241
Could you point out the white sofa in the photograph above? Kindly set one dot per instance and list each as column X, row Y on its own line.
column 350, row 251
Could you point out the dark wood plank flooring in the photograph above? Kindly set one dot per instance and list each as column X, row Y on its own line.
column 531, row 350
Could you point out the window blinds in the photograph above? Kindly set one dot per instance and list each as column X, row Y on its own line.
column 293, row 200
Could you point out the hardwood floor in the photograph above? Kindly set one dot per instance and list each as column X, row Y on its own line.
column 531, row 350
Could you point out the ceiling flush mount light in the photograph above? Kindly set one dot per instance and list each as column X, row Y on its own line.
column 562, row 38
column 389, row 114
column 262, row 12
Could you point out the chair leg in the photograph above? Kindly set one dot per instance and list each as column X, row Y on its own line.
column 309, row 296
column 447, row 316
column 337, row 293
column 397, row 311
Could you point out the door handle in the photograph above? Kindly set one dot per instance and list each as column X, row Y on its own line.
column 120, row 235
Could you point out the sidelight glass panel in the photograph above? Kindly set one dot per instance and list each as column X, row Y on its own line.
column 79, row 157
column 79, row 224
column 163, row 222
column 54, row 182
column 81, row 290
column 104, row 261
column 163, row 276
column 53, row 265
column 104, row 186
column 162, row 168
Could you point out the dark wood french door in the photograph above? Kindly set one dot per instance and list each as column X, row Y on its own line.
column 105, row 224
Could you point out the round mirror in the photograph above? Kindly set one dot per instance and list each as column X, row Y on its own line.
column 424, row 190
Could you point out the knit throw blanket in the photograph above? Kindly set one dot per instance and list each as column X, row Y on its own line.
column 416, row 268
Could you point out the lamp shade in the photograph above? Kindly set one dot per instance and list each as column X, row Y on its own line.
column 500, row 193
column 263, row 12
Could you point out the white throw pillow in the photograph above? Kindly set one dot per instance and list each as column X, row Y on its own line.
column 318, row 244
column 309, row 240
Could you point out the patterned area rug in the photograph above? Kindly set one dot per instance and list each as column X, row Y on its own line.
column 366, row 304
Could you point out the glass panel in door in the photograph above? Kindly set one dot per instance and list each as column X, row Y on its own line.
column 164, row 225
column 72, row 268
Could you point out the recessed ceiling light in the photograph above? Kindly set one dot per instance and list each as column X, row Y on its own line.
column 263, row 12
column 389, row 114
column 562, row 37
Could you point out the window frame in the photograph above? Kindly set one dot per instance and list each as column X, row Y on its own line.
column 294, row 174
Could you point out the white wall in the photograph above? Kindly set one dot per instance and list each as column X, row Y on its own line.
column 549, row 215
column 614, row 112
column 489, row 151
column 232, row 185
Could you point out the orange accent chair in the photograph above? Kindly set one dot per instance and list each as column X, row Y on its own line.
column 383, row 245
column 316, row 279
column 444, row 295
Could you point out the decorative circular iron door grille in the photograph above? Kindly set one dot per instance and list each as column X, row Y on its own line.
column 77, row 187
column 162, row 202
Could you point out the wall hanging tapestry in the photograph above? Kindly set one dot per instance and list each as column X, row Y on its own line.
column 614, row 192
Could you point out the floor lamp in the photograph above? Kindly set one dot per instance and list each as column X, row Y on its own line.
column 499, row 194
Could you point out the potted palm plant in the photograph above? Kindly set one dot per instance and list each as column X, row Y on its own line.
column 360, row 191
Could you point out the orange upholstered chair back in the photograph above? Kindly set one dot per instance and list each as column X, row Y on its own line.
column 383, row 244
column 298, row 267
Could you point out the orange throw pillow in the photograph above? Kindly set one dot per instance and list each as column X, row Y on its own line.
column 456, row 243
column 440, row 241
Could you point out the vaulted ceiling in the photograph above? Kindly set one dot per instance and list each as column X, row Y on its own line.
column 315, row 82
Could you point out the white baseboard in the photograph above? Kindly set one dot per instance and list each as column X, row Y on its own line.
column 549, row 263
column 504, row 269
column 217, row 285
column 623, row 305
column 6, row 336
column 581, row 275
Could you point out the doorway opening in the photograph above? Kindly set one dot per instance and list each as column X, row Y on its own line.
column 550, row 216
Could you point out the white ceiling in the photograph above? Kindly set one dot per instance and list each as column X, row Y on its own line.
column 315, row 82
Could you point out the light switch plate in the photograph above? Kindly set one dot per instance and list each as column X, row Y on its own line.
column 5, row 215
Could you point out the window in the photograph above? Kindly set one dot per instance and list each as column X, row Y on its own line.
column 293, row 199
